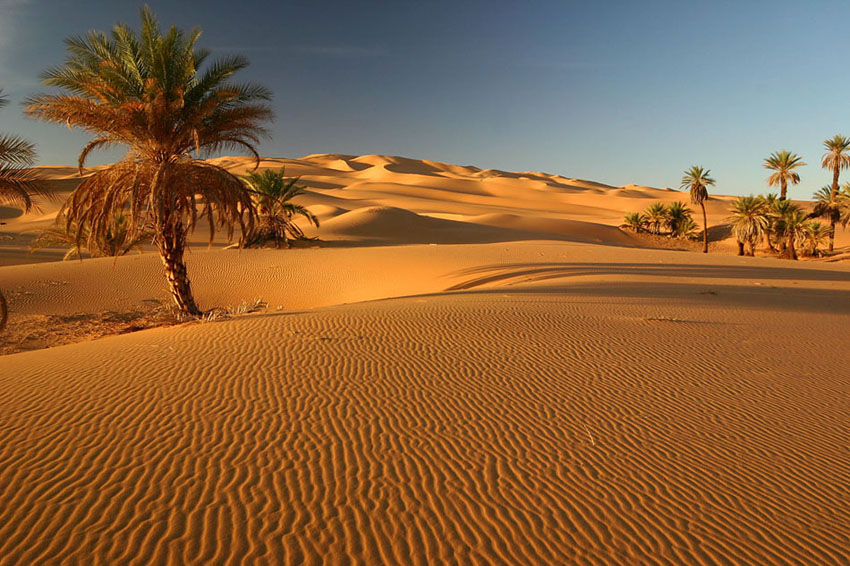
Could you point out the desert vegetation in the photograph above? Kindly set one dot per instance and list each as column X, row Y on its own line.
column 673, row 220
column 17, row 184
column 272, row 193
column 155, row 94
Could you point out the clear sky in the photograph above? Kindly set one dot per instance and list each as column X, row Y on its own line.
column 617, row 92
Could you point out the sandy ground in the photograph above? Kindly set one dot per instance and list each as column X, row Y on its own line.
column 480, row 369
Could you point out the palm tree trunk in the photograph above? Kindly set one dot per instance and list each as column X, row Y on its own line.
column 4, row 312
column 789, row 251
column 740, row 247
column 767, row 242
column 833, row 194
column 783, row 189
column 704, row 229
column 172, row 244
column 831, row 234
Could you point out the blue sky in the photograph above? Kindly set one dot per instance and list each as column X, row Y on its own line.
column 617, row 92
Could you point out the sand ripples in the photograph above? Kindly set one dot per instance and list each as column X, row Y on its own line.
column 478, row 430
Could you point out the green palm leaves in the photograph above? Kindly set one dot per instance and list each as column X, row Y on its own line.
column 783, row 162
column 676, row 217
column 697, row 180
column 16, row 181
column 272, row 193
column 749, row 221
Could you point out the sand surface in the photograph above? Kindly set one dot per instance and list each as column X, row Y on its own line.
column 536, row 388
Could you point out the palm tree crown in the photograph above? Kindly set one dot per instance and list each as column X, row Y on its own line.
column 783, row 162
column 154, row 94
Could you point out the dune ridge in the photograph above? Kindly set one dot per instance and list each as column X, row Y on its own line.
column 476, row 367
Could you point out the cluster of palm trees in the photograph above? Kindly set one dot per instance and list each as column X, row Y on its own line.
column 156, row 94
column 676, row 218
column 781, row 224
column 696, row 180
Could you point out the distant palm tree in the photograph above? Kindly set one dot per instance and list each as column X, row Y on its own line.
column 636, row 221
column 272, row 193
column 677, row 216
column 656, row 216
column 697, row 181
column 148, row 93
column 749, row 222
column 783, row 162
column 790, row 225
column 814, row 234
column 17, row 183
column 836, row 158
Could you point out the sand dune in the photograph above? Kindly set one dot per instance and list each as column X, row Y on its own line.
column 536, row 388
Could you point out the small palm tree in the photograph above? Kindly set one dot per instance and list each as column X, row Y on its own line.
column 836, row 158
column 783, row 162
column 272, row 193
column 17, row 183
column 687, row 228
column 677, row 215
column 750, row 222
column 635, row 221
column 154, row 94
column 656, row 216
column 697, row 180
column 813, row 236
column 769, row 200
column 790, row 225
column 116, row 242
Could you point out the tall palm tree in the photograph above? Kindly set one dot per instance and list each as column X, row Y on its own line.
column 836, row 158
column 783, row 162
column 273, row 192
column 154, row 94
column 17, row 183
column 697, row 180
column 749, row 222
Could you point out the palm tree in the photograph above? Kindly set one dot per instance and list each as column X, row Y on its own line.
column 154, row 94
column 17, row 183
column 836, row 158
column 272, row 193
column 769, row 200
column 697, row 181
column 790, row 225
column 677, row 214
column 783, row 162
column 814, row 234
column 749, row 222
column 636, row 221
column 656, row 216
column 687, row 228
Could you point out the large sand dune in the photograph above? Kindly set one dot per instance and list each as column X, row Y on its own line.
column 535, row 389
